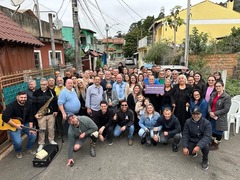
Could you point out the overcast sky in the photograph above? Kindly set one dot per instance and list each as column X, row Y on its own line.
column 113, row 11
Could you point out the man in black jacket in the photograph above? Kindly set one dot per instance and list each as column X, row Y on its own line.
column 103, row 120
column 45, row 121
column 20, row 109
column 197, row 135
column 124, row 118
column 170, row 129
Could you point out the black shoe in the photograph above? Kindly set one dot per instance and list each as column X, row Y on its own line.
column 205, row 165
column 143, row 140
column 92, row 151
column 174, row 148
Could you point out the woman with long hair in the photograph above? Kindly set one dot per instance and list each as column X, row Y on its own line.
column 140, row 80
column 166, row 99
column 210, row 88
column 198, row 101
column 199, row 82
column 127, row 78
column 132, row 83
column 81, row 92
column 147, row 122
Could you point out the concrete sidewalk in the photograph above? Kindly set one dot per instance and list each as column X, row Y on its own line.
column 121, row 161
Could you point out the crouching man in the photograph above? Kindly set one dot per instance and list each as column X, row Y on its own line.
column 197, row 136
column 80, row 128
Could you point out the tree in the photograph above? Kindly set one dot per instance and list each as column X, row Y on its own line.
column 160, row 53
column 137, row 31
column 174, row 21
column 198, row 42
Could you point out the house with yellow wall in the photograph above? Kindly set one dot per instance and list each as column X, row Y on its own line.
column 206, row 16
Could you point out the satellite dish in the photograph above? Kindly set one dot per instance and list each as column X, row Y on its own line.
column 58, row 24
column 86, row 48
column 17, row 2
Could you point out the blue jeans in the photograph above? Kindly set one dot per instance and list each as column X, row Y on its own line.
column 117, row 131
column 17, row 140
column 142, row 131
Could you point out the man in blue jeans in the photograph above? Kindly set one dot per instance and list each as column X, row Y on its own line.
column 124, row 119
column 20, row 109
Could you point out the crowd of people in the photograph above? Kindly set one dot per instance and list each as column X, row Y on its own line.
column 104, row 103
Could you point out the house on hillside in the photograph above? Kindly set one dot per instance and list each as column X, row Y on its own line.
column 115, row 47
column 42, row 55
column 206, row 16
column 88, row 45
column 17, row 47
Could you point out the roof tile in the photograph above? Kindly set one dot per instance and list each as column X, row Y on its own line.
column 13, row 32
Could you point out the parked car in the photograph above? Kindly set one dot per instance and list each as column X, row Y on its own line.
column 129, row 61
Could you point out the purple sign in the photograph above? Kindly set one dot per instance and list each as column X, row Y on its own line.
column 154, row 89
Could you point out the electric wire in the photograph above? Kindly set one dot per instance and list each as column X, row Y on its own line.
column 92, row 16
column 126, row 10
column 100, row 12
column 110, row 17
column 65, row 9
column 100, row 33
column 132, row 9
column 60, row 6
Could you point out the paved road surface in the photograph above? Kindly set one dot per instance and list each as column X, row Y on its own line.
column 120, row 161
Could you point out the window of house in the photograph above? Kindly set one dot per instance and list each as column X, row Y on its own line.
column 38, row 59
column 58, row 57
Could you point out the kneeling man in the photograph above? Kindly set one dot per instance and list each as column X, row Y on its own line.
column 80, row 128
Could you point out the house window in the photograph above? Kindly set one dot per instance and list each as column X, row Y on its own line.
column 38, row 59
column 119, row 55
column 58, row 57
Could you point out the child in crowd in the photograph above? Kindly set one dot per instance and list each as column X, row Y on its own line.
column 146, row 102
column 139, row 104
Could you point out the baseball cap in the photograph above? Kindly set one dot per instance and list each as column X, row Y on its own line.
column 196, row 110
column 69, row 115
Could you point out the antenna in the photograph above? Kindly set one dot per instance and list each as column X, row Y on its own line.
column 58, row 24
column 17, row 2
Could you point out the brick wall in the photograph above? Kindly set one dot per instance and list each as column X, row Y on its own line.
column 219, row 62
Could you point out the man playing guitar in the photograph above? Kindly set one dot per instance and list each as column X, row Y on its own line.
column 20, row 109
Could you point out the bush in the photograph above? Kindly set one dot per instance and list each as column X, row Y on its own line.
column 232, row 87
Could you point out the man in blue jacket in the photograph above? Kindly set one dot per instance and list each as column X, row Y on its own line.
column 197, row 135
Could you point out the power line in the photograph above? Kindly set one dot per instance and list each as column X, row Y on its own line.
column 132, row 9
column 126, row 10
column 61, row 6
column 109, row 16
column 90, row 19
column 65, row 9
column 100, row 12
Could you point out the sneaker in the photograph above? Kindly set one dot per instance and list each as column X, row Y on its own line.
column 174, row 148
column 53, row 142
column 143, row 140
column 110, row 143
column 92, row 151
column 195, row 155
column 40, row 147
column 205, row 165
column 19, row 155
column 130, row 142
column 30, row 151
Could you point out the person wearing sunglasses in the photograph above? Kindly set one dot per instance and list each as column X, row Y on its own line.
column 124, row 119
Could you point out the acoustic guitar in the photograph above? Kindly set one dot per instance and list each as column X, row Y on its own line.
column 5, row 126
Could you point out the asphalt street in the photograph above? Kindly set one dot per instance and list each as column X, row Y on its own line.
column 121, row 161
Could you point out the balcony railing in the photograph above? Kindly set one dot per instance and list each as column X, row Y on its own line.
column 144, row 42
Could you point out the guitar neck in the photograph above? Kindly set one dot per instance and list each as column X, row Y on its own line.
column 33, row 129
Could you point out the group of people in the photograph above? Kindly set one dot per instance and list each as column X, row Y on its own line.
column 104, row 103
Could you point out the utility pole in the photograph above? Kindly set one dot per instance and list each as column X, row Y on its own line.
column 107, row 28
column 36, row 4
column 77, row 41
column 187, row 35
column 53, row 58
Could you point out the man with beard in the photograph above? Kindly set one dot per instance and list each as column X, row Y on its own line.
column 22, row 109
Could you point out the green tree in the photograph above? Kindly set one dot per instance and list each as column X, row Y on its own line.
column 198, row 42
column 137, row 31
column 174, row 21
column 69, row 55
column 160, row 53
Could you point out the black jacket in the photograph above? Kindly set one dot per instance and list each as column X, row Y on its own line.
column 199, row 132
column 104, row 119
column 125, row 118
column 15, row 111
column 42, row 97
column 172, row 126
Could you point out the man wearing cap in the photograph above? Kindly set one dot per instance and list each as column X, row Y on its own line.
column 197, row 135
column 170, row 129
column 80, row 128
